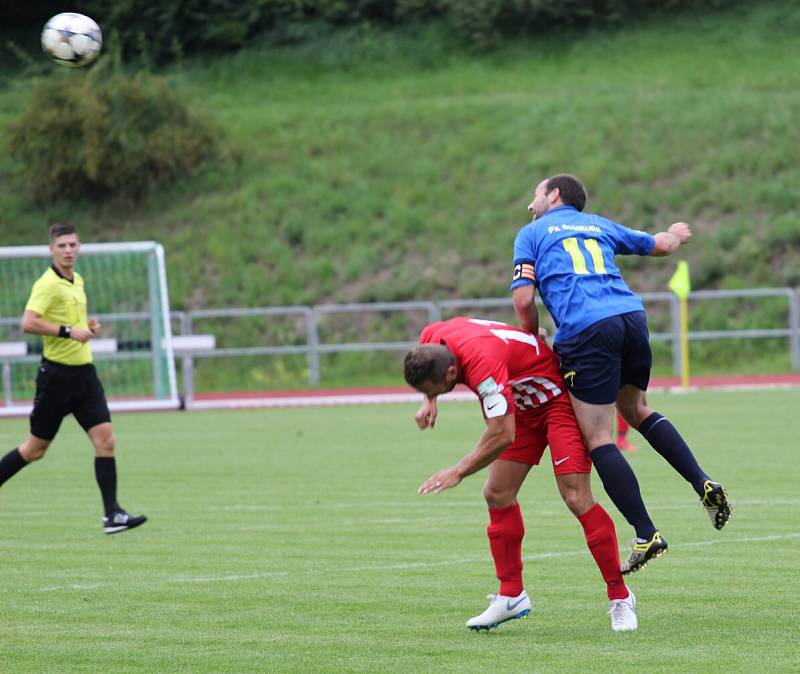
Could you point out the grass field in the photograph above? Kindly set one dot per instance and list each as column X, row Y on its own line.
column 295, row 541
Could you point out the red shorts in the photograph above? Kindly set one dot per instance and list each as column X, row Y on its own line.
column 551, row 424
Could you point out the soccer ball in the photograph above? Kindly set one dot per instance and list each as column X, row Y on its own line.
column 72, row 39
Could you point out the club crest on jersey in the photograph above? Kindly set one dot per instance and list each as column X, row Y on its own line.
column 524, row 270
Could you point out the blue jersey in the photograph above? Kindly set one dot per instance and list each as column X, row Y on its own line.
column 569, row 256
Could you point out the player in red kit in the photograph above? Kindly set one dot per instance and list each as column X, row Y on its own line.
column 521, row 391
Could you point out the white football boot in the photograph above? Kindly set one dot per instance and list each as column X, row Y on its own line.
column 501, row 608
column 623, row 613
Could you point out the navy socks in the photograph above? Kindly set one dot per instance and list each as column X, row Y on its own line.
column 665, row 439
column 622, row 488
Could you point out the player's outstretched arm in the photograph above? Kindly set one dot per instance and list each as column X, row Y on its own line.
column 668, row 242
column 525, row 308
column 498, row 435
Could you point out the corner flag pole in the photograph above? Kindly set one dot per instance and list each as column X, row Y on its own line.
column 681, row 286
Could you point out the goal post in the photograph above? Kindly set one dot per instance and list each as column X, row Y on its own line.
column 126, row 288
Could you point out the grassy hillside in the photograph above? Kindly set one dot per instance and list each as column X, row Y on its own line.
column 385, row 167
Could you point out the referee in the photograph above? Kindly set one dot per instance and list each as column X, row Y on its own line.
column 67, row 381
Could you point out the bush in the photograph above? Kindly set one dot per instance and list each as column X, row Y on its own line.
column 96, row 136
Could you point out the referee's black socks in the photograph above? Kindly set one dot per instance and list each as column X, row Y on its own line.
column 11, row 464
column 665, row 439
column 105, row 470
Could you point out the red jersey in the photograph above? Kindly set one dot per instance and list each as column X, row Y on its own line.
column 497, row 358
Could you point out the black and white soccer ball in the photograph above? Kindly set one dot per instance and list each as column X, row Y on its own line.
column 72, row 39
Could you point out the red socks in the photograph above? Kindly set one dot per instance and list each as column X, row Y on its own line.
column 601, row 537
column 622, row 425
column 505, row 532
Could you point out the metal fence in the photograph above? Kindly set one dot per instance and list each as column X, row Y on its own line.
column 307, row 333
column 434, row 311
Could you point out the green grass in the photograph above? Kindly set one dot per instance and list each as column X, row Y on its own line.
column 294, row 541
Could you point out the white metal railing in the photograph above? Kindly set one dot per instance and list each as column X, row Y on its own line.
column 307, row 341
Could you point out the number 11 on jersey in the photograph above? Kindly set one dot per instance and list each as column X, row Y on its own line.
column 579, row 261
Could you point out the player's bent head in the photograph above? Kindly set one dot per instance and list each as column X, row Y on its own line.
column 427, row 363
column 572, row 191
column 60, row 229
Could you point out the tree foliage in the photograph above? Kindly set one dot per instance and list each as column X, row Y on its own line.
column 122, row 137
column 161, row 31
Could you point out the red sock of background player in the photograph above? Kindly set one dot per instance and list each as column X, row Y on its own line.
column 601, row 537
column 506, row 530
column 622, row 426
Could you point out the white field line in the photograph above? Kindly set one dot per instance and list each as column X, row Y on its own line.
column 428, row 503
column 398, row 566
column 445, row 503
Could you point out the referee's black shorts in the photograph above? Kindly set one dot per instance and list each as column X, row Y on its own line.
column 600, row 360
column 67, row 389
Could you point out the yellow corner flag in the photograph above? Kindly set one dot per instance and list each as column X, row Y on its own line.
column 681, row 286
column 680, row 283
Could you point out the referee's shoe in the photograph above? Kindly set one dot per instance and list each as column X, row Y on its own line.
column 119, row 520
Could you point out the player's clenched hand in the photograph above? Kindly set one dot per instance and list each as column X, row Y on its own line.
column 94, row 326
column 426, row 414
column 81, row 335
column 681, row 230
column 438, row 482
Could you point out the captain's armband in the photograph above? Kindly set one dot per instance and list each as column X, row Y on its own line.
column 524, row 270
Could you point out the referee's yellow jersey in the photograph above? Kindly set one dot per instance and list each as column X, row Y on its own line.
column 62, row 302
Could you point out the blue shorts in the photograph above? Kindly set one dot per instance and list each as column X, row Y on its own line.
column 600, row 360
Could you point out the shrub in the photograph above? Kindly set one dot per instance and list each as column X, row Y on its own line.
column 96, row 136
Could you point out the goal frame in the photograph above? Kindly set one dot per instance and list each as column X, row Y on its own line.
column 172, row 400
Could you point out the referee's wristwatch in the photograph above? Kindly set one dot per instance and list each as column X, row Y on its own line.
column 65, row 331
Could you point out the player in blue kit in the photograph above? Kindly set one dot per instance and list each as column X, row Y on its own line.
column 602, row 342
